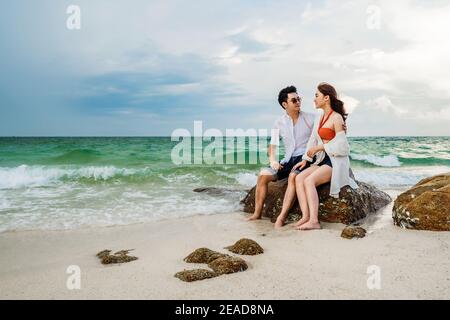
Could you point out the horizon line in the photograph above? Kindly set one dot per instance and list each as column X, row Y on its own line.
column 168, row 136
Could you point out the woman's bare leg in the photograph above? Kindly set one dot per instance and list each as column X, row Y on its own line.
column 320, row 176
column 301, row 195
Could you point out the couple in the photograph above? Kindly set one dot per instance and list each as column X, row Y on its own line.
column 316, row 152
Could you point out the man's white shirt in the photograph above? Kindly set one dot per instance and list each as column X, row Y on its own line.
column 296, row 137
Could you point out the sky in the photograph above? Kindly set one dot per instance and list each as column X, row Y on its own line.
column 146, row 68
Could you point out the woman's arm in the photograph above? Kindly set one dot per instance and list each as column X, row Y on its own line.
column 312, row 142
column 338, row 123
column 338, row 146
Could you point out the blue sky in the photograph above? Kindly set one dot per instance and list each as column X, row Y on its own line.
column 149, row 67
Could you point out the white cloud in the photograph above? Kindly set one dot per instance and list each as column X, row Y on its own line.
column 433, row 116
column 400, row 69
column 385, row 105
column 350, row 103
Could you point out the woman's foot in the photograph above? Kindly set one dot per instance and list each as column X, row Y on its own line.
column 254, row 217
column 279, row 223
column 310, row 226
column 303, row 220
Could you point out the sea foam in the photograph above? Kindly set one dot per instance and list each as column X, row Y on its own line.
column 36, row 176
column 381, row 161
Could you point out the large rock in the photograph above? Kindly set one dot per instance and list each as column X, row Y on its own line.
column 351, row 206
column 426, row 206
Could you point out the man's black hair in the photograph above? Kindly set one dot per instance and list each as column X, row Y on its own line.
column 283, row 95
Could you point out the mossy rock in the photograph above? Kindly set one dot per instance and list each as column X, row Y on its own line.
column 351, row 232
column 228, row 264
column 246, row 246
column 121, row 256
column 195, row 275
column 425, row 206
column 203, row 255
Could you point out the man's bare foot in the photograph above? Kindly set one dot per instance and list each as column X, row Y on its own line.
column 279, row 223
column 253, row 217
column 310, row 226
column 303, row 220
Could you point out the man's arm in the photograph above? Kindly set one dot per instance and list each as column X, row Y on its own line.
column 273, row 147
column 273, row 155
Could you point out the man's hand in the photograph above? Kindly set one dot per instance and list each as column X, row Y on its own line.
column 300, row 165
column 275, row 165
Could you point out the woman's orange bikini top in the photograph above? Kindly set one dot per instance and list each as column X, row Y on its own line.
column 326, row 133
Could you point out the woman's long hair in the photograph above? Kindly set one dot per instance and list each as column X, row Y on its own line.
column 336, row 104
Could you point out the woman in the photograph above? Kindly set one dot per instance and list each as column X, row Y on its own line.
column 329, row 144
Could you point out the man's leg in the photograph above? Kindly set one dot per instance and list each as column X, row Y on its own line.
column 289, row 198
column 265, row 176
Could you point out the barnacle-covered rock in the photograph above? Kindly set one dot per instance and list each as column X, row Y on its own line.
column 228, row 264
column 121, row 256
column 246, row 246
column 203, row 255
column 351, row 232
column 426, row 206
column 195, row 275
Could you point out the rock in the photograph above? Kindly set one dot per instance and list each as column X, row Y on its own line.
column 195, row 275
column 218, row 192
column 350, row 232
column 426, row 206
column 220, row 263
column 228, row 264
column 246, row 246
column 203, row 255
column 121, row 256
column 352, row 205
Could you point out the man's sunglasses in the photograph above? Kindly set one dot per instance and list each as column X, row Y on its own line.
column 295, row 100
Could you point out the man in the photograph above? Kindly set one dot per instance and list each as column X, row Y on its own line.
column 295, row 128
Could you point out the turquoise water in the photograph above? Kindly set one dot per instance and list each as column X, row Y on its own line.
column 60, row 183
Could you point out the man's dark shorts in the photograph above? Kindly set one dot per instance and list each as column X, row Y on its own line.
column 287, row 168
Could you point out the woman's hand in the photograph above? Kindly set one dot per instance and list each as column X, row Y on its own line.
column 311, row 152
column 300, row 165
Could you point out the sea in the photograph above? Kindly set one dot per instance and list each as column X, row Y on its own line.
column 57, row 183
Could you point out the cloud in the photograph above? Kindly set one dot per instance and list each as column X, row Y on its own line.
column 148, row 67
column 350, row 103
column 384, row 104
column 154, row 80
column 245, row 43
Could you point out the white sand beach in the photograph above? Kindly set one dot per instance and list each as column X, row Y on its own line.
column 295, row 265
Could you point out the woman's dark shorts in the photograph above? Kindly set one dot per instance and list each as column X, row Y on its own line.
column 326, row 161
